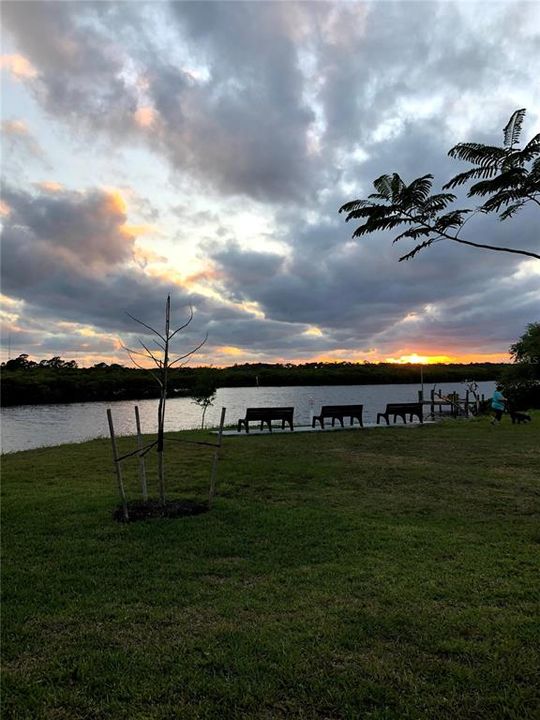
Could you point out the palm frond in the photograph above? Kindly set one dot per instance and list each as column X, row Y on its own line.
column 418, row 191
column 376, row 224
column 478, row 153
column 416, row 250
column 495, row 203
column 512, row 130
column 397, row 185
column 531, row 149
column 453, row 219
column 473, row 174
column 383, row 185
column 413, row 233
column 352, row 205
column 438, row 202
column 512, row 210
column 510, row 179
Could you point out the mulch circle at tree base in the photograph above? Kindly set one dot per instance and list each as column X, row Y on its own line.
column 140, row 510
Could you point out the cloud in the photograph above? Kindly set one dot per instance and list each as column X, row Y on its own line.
column 18, row 138
column 87, row 230
column 19, row 66
column 274, row 115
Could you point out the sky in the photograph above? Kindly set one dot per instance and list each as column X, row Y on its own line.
column 203, row 150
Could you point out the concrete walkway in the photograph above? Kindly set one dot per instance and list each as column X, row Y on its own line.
column 307, row 428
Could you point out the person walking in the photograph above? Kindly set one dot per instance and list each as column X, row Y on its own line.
column 497, row 404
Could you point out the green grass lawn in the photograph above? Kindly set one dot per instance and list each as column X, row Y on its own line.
column 384, row 574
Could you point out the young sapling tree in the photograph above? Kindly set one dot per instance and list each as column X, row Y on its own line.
column 163, row 360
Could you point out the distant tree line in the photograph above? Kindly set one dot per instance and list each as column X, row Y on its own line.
column 55, row 380
column 521, row 380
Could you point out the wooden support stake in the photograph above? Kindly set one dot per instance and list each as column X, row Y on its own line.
column 467, row 403
column 118, row 467
column 215, row 460
column 142, row 466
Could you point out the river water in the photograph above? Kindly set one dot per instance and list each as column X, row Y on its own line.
column 32, row 426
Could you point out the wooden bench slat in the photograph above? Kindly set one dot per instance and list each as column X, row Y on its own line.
column 402, row 410
column 338, row 412
column 266, row 415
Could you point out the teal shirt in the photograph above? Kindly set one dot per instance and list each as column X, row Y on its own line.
column 497, row 401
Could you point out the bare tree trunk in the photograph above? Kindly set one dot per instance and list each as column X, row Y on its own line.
column 161, row 377
column 162, row 403
column 142, row 466
column 205, row 408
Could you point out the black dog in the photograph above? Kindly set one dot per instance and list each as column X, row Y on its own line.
column 520, row 417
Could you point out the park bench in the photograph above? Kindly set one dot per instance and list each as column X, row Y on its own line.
column 267, row 415
column 338, row 412
column 402, row 409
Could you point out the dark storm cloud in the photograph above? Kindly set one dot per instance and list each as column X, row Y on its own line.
column 68, row 253
column 86, row 228
column 359, row 295
column 79, row 67
column 244, row 124
column 65, row 255
column 278, row 101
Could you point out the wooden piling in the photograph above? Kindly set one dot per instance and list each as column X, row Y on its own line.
column 142, row 466
column 118, row 467
column 213, row 474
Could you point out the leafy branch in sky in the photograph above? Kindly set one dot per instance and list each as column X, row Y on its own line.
column 509, row 177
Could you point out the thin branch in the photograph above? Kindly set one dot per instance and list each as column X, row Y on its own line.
column 142, row 451
column 138, row 352
column 146, row 326
column 184, row 325
column 493, row 247
column 191, row 352
column 134, row 352
column 141, row 367
column 158, row 362
column 475, row 212
column 423, row 223
column 148, row 448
